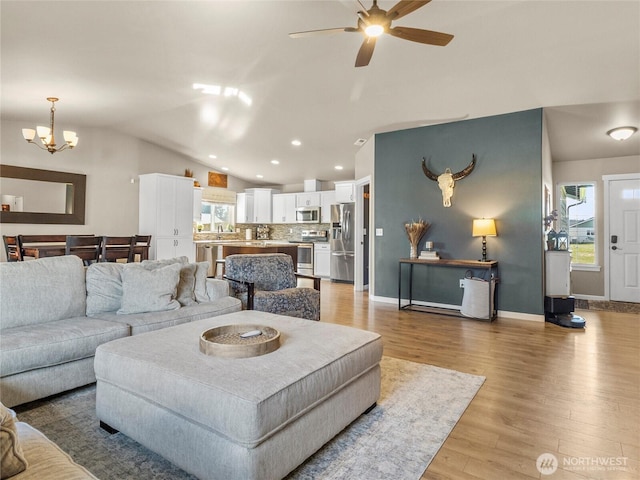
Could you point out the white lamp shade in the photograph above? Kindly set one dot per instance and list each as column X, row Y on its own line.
column 28, row 134
column 69, row 136
column 43, row 132
column 484, row 227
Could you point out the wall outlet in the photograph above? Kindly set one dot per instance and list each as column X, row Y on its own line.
column 461, row 283
column 379, row 232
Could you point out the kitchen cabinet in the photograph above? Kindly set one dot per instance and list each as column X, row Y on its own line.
column 327, row 199
column 166, row 213
column 345, row 192
column 244, row 208
column 308, row 199
column 284, row 208
column 255, row 205
column 321, row 259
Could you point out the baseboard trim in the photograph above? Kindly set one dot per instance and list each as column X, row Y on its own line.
column 530, row 317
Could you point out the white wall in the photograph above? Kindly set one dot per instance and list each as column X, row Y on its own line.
column 110, row 160
column 587, row 283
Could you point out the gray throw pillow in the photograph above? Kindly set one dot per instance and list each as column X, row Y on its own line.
column 104, row 287
column 149, row 290
column 200, row 290
column 186, row 286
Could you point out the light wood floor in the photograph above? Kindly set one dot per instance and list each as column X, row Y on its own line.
column 573, row 393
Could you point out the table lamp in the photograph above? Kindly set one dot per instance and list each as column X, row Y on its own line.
column 484, row 227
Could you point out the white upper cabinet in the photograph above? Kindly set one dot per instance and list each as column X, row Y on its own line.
column 255, row 205
column 308, row 199
column 284, row 208
column 345, row 192
column 327, row 199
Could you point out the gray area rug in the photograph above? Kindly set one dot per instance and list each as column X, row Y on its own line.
column 418, row 407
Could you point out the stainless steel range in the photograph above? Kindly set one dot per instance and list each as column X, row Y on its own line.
column 305, row 249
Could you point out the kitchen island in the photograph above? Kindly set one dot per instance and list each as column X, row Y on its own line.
column 260, row 246
column 214, row 251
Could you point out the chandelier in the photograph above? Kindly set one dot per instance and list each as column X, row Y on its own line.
column 45, row 134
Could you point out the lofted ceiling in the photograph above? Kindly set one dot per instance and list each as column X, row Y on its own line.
column 131, row 65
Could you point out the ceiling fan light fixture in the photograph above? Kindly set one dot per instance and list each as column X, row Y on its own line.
column 621, row 133
column 374, row 30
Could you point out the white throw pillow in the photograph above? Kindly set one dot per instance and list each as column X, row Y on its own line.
column 146, row 290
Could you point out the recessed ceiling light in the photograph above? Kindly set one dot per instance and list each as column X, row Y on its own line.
column 622, row 133
column 259, row 176
column 296, row 143
column 226, row 169
column 275, row 162
column 338, row 167
column 213, row 156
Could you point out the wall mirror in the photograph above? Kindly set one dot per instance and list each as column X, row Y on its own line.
column 31, row 195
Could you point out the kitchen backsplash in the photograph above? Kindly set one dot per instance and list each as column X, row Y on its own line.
column 277, row 231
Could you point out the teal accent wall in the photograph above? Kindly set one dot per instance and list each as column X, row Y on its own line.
column 506, row 184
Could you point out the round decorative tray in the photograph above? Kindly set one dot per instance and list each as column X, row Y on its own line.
column 226, row 341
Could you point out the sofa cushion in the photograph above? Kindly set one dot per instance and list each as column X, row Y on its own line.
column 12, row 460
column 146, row 290
column 146, row 322
column 53, row 288
column 46, row 459
column 53, row 343
column 104, row 287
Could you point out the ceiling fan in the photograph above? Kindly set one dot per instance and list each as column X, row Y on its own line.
column 374, row 22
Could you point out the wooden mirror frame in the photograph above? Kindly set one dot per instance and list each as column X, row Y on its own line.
column 78, row 181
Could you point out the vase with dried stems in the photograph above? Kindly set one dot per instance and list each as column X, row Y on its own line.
column 415, row 231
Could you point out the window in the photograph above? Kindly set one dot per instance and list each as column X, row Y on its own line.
column 217, row 217
column 577, row 217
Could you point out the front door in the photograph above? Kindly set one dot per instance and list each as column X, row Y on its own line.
column 624, row 240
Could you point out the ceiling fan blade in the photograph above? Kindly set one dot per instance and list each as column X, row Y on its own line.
column 324, row 31
column 365, row 52
column 405, row 7
column 421, row 36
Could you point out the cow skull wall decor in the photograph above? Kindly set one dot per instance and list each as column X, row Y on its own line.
column 446, row 180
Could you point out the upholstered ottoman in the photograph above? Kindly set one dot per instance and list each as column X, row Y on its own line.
column 238, row 418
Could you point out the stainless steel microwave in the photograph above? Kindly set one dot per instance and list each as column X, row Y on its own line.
column 308, row 215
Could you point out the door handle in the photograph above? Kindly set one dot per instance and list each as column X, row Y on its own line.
column 615, row 248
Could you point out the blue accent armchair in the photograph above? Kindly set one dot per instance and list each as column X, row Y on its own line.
column 268, row 282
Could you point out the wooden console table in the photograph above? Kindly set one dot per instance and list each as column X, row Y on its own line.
column 491, row 266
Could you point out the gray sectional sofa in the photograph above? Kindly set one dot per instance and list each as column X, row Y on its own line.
column 54, row 313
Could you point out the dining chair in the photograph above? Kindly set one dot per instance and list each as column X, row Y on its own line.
column 13, row 248
column 141, row 246
column 117, row 248
column 86, row 247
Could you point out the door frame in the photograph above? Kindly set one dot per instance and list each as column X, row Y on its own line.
column 606, row 179
column 358, row 284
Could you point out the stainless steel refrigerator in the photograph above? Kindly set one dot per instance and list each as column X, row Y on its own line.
column 342, row 242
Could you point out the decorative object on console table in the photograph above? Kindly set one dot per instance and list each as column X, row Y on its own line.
column 484, row 227
column 415, row 232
